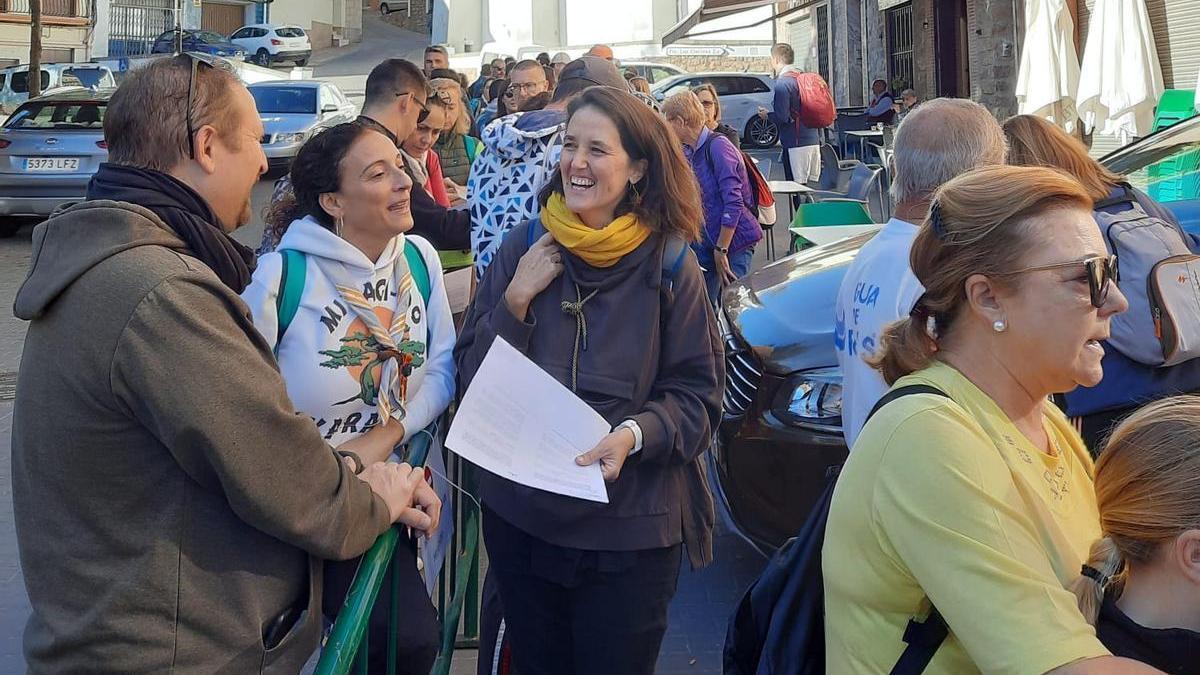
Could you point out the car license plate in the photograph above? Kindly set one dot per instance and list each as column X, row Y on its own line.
column 52, row 164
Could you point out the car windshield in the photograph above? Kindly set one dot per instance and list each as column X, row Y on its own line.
column 88, row 77
column 58, row 115
column 210, row 38
column 1168, row 170
column 289, row 32
column 285, row 99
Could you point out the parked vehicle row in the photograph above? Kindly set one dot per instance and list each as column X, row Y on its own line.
column 781, row 431
column 262, row 43
column 52, row 145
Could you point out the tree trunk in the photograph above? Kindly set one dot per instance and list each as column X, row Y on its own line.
column 35, row 48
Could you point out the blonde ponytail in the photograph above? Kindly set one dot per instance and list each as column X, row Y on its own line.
column 1147, row 491
column 1104, row 569
column 906, row 347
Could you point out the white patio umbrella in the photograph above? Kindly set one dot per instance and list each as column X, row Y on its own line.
column 1049, row 72
column 1120, row 81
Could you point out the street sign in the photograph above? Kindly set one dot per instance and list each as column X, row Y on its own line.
column 685, row 50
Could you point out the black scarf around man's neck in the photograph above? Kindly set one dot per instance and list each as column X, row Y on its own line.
column 183, row 211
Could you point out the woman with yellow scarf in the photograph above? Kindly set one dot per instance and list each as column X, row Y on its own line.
column 602, row 292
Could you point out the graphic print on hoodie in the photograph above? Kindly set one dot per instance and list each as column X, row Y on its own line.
column 520, row 155
column 330, row 360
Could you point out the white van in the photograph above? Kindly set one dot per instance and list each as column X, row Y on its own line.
column 14, row 81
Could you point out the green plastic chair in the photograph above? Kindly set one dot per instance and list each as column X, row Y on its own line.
column 827, row 212
column 1174, row 106
column 1176, row 178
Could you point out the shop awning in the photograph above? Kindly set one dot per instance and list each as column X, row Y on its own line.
column 717, row 9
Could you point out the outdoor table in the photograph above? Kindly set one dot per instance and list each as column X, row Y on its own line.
column 789, row 188
column 864, row 135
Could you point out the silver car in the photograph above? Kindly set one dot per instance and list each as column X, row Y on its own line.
column 14, row 81
column 292, row 111
column 49, row 149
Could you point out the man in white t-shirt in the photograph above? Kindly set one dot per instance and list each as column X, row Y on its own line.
column 936, row 142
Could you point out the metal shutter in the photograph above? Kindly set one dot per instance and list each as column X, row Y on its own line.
column 1176, row 25
column 222, row 18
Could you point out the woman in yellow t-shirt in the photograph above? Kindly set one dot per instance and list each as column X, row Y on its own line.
column 980, row 502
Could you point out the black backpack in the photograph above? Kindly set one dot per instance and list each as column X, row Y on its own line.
column 779, row 625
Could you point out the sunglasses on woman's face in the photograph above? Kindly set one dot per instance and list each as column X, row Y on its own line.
column 1102, row 273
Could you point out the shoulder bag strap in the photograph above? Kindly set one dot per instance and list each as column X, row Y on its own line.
column 923, row 638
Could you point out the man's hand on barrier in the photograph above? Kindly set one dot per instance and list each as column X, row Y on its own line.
column 399, row 485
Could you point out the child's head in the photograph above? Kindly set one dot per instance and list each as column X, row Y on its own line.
column 1148, row 492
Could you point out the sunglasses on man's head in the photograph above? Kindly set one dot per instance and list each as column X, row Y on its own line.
column 212, row 62
column 1102, row 273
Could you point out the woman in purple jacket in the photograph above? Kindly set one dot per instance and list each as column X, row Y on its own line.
column 730, row 228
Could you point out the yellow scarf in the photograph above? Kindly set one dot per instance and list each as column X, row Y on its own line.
column 599, row 248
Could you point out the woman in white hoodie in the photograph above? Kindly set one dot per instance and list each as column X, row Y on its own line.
column 357, row 314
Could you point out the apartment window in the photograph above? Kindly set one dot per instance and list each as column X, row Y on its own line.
column 900, row 47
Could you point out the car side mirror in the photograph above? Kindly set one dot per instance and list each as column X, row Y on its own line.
column 329, row 108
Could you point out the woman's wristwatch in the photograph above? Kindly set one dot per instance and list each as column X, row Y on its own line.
column 721, row 249
column 636, row 428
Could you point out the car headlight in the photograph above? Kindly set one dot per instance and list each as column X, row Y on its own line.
column 291, row 138
column 811, row 399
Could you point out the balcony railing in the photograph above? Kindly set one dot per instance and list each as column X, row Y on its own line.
column 77, row 9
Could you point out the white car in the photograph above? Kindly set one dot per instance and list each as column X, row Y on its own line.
column 740, row 94
column 267, row 43
column 653, row 72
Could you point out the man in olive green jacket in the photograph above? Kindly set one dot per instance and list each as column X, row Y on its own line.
column 172, row 509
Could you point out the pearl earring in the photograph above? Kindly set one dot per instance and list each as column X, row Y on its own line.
column 999, row 326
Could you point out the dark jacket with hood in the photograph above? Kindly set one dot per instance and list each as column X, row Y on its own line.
column 170, row 503
column 652, row 356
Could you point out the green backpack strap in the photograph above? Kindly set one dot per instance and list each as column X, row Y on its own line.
column 472, row 147
column 291, row 287
column 418, row 269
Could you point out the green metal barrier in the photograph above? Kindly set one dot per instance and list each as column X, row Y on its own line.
column 347, row 645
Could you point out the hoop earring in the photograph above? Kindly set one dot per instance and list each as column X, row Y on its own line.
column 337, row 227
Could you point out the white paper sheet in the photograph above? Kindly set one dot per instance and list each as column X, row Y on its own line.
column 519, row 423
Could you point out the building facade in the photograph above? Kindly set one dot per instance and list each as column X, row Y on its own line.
column 963, row 48
column 66, row 31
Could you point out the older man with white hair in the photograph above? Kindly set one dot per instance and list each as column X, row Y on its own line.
column 936, row 142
